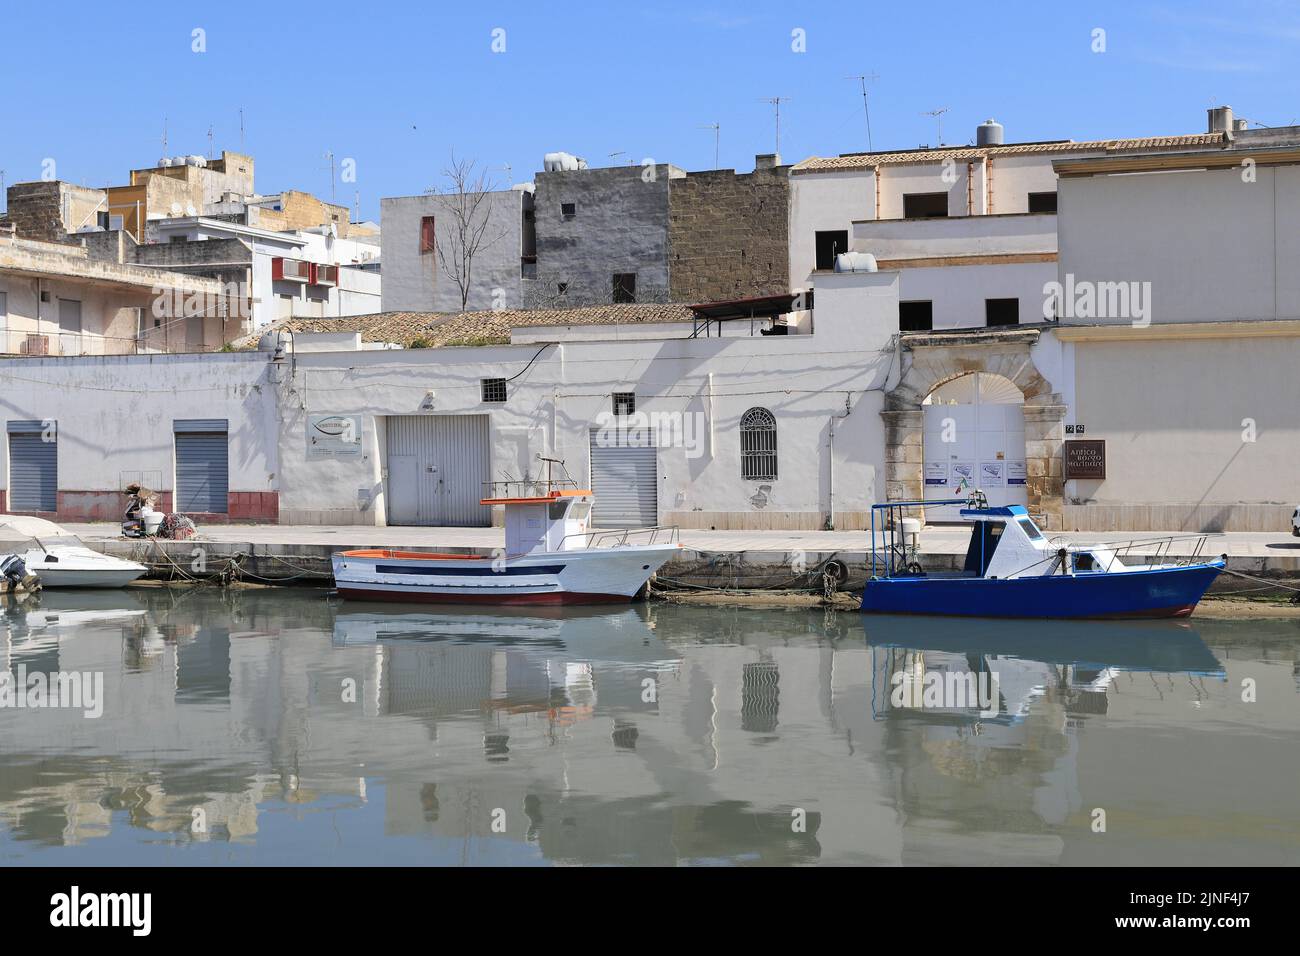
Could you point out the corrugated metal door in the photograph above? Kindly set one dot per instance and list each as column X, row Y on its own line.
column 625, row 482
column 33, row 466
column 437, row 468
column 202, row 465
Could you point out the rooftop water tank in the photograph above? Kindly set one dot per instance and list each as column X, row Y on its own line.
column 562, row 162
column 988, row 133
column 855, row 262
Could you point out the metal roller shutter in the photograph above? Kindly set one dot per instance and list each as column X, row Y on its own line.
column 438, row 466
column 33, row 467
column 625, row 482
column 202, row 465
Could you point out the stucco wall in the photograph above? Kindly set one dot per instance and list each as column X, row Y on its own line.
column 114, row 418
column 1212, row 245
column 958, row 292
column 620, row 225
column 416, row 282
column 1176, row 417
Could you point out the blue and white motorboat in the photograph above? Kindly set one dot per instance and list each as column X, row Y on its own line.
column 1012, row 570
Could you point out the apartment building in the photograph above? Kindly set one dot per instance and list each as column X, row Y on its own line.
column 972, row 229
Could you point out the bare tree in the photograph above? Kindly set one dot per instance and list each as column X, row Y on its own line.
column 467, row 203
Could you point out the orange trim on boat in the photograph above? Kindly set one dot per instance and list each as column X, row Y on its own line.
column 419, row 555
column 546, row 499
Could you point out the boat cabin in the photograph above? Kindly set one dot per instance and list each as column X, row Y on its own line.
column 1005, row 543
column 555, row 521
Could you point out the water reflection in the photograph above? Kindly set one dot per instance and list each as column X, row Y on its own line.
column 296, row 730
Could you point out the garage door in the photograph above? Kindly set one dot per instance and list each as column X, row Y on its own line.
column 202, row 465
column 625, row 481
column 33, row 466
column 438, row 466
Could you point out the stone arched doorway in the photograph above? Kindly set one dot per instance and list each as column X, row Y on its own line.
column 934, row 359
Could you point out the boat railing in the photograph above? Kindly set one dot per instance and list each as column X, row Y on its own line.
column 1175, row 550
column 526, row 487
column 620, row 538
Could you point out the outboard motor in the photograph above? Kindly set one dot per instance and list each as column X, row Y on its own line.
column 14, row 570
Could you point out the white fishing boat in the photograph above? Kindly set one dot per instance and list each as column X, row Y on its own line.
column 552, row 556
column 59, row 558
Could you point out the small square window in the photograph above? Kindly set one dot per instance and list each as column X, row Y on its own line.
column 925, row 205
column 1001, row 312
column 561, row 287
column 624, row 287
column 568, row 210
column 915, row 316
column 1042, row 202
column 494, row 389
column 624, row 403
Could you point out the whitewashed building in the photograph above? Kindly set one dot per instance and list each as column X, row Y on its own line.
column 1174, row 336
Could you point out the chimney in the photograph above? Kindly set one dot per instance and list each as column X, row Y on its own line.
column 1220, row 119
column 767, row 161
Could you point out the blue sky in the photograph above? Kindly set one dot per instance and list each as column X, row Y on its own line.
column 396, row 86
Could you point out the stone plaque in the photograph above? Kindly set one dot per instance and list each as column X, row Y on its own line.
column 1085, row 458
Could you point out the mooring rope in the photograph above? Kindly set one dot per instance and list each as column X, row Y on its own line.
column 1272, row 584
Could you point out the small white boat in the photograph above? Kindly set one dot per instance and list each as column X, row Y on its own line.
column 60, row 559
column 551, row 557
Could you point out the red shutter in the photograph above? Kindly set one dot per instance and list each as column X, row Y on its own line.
column 426, row 234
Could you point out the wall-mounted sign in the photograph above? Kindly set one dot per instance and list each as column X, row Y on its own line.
column 1085, row 458
column 990, row 474
column 1015, row 473
column 1074, row 429
column 936, row 472
column 963, row 477
column 333, row 436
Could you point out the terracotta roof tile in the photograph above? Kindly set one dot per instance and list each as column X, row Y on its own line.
column 477, row 328
column 963, row 153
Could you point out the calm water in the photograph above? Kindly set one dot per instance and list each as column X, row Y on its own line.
column 275, row 727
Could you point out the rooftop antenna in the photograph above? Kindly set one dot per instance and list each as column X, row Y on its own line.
column 4, row 196
column 717, row 135
column 776, row 102
column 862, row 79
column 329, row 155
column 614, row 155
column 209, row 141
column 241, row 129
column 164, row 136
column 356, row 206
column 938, row 116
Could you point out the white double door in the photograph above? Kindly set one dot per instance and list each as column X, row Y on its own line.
column 969, row 447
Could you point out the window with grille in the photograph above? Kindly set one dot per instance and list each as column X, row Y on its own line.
column 494, row 389
column 624, row 403
column 758, row 445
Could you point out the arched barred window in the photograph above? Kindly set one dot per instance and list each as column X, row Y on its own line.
column 758, row 445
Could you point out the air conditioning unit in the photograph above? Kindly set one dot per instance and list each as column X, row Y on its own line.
column 324, row 275
column 290, row 270
column 37, row 345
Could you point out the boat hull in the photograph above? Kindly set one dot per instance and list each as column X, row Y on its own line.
column 589, row 576
column 1153, row 593
column 81, row 568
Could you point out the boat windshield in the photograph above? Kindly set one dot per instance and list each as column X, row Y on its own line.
column 1030, row 529
column 17, row 540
